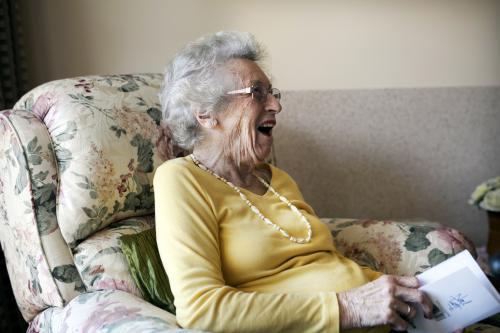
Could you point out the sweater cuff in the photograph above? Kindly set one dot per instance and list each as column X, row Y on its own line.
column 371, row 274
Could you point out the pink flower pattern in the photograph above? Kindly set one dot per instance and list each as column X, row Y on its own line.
column 44, row 104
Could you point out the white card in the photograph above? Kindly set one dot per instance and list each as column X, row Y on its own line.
column 461, row 292
column 453, row 264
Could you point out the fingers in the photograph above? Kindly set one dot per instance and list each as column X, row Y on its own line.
column 403, row 281
column 405, row 289
column 415, row 296
column 406, row 281
column 404, row 309
column 398, row 313
column 405, row 312
column 383, row 301
column 395, row 320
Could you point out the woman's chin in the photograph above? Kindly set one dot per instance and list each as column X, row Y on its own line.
column 263, row 154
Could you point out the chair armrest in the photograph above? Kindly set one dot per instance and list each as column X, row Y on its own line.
column 109, row 311
column 400, row 248
column 29, row 233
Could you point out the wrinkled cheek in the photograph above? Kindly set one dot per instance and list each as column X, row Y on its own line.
column 249, row 144
column 241, row 145
column 264, row 149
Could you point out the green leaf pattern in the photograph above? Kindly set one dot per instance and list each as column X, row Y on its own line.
column 34, row 285
column 68, row 134
column 155, row 114
column 64, row 157
column 68, row 274
column 417, row 239
column 144, row 153
column 437, row 256
column 65, row 273
column 118, row 130
column 129, row 86
column 22, row 176
column 34, row 150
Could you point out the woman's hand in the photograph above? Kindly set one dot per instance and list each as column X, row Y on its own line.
column 388, row 300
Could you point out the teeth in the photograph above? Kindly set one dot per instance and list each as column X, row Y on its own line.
column 267, row 125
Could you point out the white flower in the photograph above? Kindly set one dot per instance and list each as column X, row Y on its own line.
column 487, row 195
column 491, row 201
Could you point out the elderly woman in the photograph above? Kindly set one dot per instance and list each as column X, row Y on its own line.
column 243, row 251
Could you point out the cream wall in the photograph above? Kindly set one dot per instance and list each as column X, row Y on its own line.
column 326, row 44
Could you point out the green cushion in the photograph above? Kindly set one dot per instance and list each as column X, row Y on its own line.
column 147, row 269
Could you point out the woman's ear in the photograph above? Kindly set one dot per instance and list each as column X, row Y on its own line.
column 206, row 121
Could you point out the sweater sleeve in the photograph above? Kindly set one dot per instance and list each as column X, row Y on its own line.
column 188, row 242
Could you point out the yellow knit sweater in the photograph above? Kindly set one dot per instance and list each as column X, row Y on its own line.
column 230, row 272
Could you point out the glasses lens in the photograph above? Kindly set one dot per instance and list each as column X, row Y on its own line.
column 259, row 93
column 276, row 93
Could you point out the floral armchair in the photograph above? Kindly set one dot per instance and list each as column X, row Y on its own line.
column 77, row 159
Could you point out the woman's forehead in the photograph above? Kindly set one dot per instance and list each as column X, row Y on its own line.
column 248, row 72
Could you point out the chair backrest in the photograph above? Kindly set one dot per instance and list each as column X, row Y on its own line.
column 76, row 155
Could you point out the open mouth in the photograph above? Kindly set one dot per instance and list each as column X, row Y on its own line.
column 266, row 127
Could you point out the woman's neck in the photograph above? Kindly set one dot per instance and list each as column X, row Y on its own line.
column 224, row 166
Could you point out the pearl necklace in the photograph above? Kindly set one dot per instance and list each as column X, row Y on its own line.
column 257, row 211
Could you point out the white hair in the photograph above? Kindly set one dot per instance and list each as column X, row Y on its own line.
column 196, row 81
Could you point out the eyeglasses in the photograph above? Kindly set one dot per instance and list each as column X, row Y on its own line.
column 258, row 93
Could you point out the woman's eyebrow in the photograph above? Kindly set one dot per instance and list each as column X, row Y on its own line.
column 260, row 83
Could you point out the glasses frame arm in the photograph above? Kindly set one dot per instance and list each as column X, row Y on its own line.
column 247, row 90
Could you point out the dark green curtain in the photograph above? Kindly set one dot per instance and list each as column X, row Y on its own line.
column 11, row 320
column 12, row 67
column 12, row 86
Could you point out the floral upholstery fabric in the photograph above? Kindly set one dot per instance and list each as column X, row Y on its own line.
column 106, row 311
column 39, row 262
column 105, row 131
column 401, row 248
column 100, row 260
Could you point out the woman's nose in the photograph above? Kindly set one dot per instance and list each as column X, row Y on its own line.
column 273, row 104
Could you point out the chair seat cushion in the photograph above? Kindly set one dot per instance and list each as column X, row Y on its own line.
column 100, row 260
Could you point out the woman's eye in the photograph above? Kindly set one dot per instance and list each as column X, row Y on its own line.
column 259, row 92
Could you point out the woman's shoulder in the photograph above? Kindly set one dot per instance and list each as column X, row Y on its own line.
column 175, row 163
column 279, row 177
column 179, row 178
column 278, row 172
column 178, row 169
